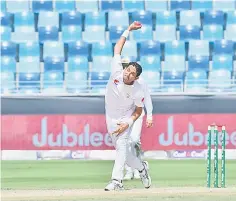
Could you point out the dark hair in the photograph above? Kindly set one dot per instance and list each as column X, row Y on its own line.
column 137, row 66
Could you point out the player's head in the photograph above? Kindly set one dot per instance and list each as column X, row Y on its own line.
column 132, row 71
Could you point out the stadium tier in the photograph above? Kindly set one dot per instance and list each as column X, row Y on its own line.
column 66, row 46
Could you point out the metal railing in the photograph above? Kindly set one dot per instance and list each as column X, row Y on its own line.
column 97, row 88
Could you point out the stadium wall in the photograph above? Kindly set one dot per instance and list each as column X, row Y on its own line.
column 38, row 128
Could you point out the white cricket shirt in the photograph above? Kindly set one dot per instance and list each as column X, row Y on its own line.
column 121, row 99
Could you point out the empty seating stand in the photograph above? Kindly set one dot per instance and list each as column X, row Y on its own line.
column 66, row 46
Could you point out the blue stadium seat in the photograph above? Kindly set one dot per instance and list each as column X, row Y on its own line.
column 213, row 17
column 18, row 6
column 151, row 63
column 230, row 32
column 175, row 48
column 97, row 36
column 222, row 62
column 153, row 79
column 198, row 62
column 190, row 17
column 224, row 5
column 25, row 29
column 150, row 48
column 78, row 48
column 223, row 47
column 231, row 17
column 51, row 49
column 202, row 5
column 42, row 5
column 196, row 81
column 133, row 5
column 118, row 18
column 153, row 5
column 24, row 19
column 87, row 6
column 3, row 6
column 107, row 5
column 7, row 82
column 115, row 33
column 8, row 64
column 78, row 64
column 5, row 33
column 143, row 34
column 189, row 32
column 24, row 34
column 99, row 79
column 130, row 49
column 54, row 64
column 48, row 19
column 29, row 49
column 213, row 32
column 64, row 6
column 165, row 32
column 219, row 80
column 6, row 19
column 199, row 47
column 76, row 80
column 71, row 33
column 29, row 79
column 95, row 18
column 166, row 18
column 101, row 64
column 179, row 5
column 53, row 79
column 71, row 18
column 144, row 17
column 48, row 34
column 29, row 65
column 173, row 81
column 176, row 63
column 102, row 49
column 8, row 49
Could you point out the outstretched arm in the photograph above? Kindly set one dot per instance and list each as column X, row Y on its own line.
column 116, row 62
column 120, row 43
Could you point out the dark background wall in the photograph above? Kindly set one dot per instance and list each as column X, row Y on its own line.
column 95, row 105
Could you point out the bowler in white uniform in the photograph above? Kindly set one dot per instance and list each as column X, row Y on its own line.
column 124, row 101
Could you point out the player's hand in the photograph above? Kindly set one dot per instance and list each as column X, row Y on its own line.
column 135, row 26
column 121, row 128
column 149, row 123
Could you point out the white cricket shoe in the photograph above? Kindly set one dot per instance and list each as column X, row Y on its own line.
column 136, row 174
column 114, row 186
column 144, row 175
column 129, row 175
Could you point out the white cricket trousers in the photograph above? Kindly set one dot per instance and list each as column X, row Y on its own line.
column 135, row 136
column 125, row 150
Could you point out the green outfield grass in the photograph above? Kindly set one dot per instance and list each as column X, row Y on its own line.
column 73, row 174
